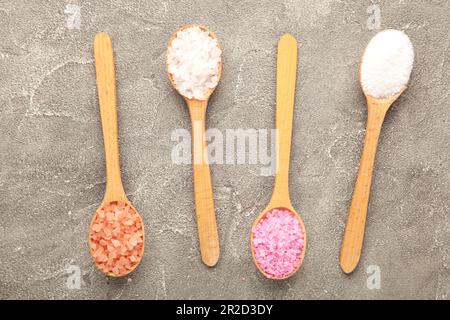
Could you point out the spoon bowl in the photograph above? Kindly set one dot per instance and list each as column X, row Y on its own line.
column 123, row 203
column 170, row 76
column 263, row 214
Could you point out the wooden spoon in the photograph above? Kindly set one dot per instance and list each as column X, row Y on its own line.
column 106, row 86
column 395, row 57
column 204, row 203
column 286, row 79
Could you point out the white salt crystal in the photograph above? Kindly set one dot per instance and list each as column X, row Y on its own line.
column 387, row 64
column 193, row 60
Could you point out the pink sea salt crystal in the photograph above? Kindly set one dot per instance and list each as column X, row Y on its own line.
column 128, row 222
column 116, row 238
column 115, row 243
column 109, row 216
column 101, row 214
column 115, row 270
column 108, row 233
column 278, row 243
column 134, row 240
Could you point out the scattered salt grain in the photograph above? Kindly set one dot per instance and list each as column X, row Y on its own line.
column 278, row 243
column 387, row 64
column 116, row 238
column 193, row 61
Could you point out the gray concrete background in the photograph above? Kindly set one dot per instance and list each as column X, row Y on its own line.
column 52, row 164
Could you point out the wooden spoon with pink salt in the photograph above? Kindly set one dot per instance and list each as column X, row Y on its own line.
column 278, row 236
column 116, row 235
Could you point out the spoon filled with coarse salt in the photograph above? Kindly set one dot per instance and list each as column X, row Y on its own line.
column 116, row 235
column 194, row 66
column 384, row 73
column 278, row 236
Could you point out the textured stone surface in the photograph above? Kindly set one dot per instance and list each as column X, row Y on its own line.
column 51, row 154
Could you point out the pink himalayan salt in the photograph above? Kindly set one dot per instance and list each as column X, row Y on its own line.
column 116, row 238
column 278, row 243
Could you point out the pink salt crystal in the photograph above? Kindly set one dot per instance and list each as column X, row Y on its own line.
column 123, row 260
column 128, row 222
column 109, row 216
column 101, row 214
column 97, row 227
column 108, row 232
column 278, row 243
column 134, row 240
column 116, row 238
column 115, row 242
column 115, row 270
column 116, row 232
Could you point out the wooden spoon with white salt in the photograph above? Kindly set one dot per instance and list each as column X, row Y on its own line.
column 190, row 48
column 384, row 73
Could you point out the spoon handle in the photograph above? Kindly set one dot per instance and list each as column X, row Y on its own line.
column 356, row 221
column 285, row 98
column 106, row 87
column 204, row 203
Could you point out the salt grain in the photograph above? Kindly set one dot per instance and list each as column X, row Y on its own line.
column 278, row 243
column 193, row 61
column 387, row 64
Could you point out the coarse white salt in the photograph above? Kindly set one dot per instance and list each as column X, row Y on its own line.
column 193, row 60
column 387, row 64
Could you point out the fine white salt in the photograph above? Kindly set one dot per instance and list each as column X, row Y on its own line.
column 387, row 64
column 193, row 60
